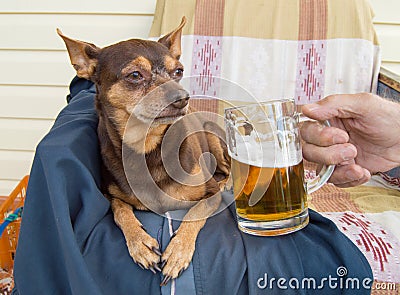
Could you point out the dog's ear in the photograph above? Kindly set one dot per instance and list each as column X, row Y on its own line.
column 173, row 40
column 83, row 56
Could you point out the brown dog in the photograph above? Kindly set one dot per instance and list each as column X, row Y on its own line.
column 139, row 96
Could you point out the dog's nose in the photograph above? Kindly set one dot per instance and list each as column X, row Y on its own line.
column 181, row 103
column 180, row 99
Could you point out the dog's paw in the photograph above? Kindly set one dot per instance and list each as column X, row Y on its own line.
column 176, row 258
column 144, row 250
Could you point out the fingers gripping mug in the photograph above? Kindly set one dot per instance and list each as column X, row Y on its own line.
column 267, row 168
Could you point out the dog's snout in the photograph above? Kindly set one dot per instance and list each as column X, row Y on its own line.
column 180, row 99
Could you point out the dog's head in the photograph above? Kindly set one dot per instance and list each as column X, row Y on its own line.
column 134, row 77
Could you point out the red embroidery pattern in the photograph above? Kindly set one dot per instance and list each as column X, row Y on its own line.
column 206, row 66
column 373, row 241
column 311, row 70
column 395, row 181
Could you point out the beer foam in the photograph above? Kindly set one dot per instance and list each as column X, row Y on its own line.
column 265, row 153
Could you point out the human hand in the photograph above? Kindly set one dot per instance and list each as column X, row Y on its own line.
column 364, row 137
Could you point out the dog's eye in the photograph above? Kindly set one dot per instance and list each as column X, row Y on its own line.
column 135, row 76
column 178, row 73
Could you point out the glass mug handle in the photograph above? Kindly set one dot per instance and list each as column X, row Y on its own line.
column 323, row 176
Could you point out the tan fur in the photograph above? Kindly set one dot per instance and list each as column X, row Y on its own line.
column 188, row 193
column 140, row 244
column 114, row 190
column 138, row 99
column 170, row 63
column 136, row 64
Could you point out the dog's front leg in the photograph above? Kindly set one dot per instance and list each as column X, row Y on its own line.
column 177, row 256
column 142, row 247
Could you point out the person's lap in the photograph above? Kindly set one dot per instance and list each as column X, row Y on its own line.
column 69, row 242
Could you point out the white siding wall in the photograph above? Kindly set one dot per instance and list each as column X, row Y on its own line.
column 387, row 26
column 35, row 70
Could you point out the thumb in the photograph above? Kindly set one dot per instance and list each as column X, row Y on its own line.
column 342, row 106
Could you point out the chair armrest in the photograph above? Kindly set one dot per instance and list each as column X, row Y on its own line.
column 389, row 84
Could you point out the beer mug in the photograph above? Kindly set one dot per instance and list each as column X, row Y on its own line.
column 267, row 168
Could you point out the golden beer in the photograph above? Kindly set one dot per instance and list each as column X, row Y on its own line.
column 267, row 167
column 268, row 194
